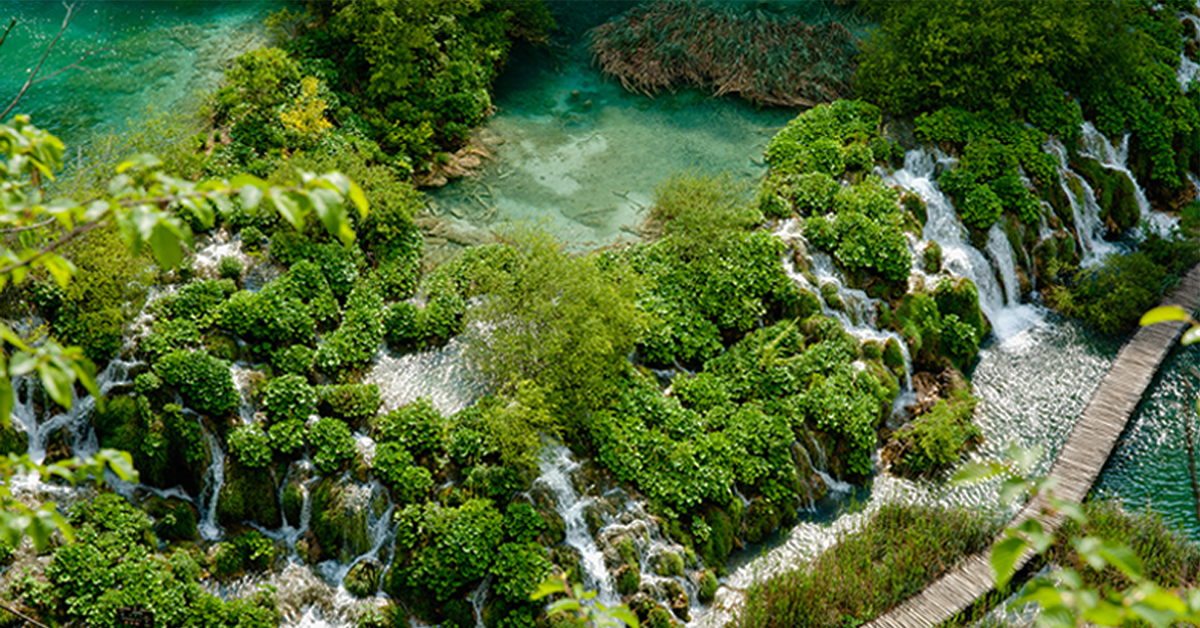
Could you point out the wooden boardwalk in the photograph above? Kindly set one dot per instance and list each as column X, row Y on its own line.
column 1083, row 455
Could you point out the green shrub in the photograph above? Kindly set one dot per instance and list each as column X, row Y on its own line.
column 938, row 438
column 418, row 427
column 287, row 437
column 1111, row 296
column 250, row 445
column 252, row 239
column 404, row 326
column 332, row 445
column 146, row 383
column 826, row 139
column 287, row 398
column 519, row 569
column 167, row 335
column 204, row 381
column 352, row 403
column 293, row 360
column 444, row 550
column 395, row 467
column 230, row 267
column 522, row 523
column 356, row 341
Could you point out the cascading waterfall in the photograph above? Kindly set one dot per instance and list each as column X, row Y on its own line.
column 1094, row 144
column 858, row 311
column 1000, row 250
column 942, row 225
column 214, row 479
column 556, row 466
column 1088, row 227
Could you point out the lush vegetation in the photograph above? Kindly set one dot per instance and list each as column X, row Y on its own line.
column 897, row 552
column 690, row 368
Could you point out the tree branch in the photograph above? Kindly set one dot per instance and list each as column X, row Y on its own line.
column 18, row 613
column 10, row 27
column 62, row 29
column 54, row 246
column 36, row 225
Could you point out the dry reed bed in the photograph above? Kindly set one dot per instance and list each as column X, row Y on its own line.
column 767, row 59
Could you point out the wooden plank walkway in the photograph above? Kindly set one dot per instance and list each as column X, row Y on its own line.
column 1083, row 455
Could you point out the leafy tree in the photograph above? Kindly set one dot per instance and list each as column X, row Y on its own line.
column 552, row 319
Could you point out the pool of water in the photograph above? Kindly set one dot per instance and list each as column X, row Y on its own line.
column 156, row 55
column 576, row 153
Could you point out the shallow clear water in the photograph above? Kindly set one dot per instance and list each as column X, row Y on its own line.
column 577, row 153
column 1149, row 466
column 146, row 54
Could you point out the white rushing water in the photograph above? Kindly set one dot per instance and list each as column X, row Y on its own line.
column 1085, row 210
column 1094, row 144
column 556, row 466
column 1007, row 316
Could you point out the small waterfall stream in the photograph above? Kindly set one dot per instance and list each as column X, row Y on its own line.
column 214, row 479
column 1094, row 144
column 1008, row 317
column 1089, row 229
column 556, row 466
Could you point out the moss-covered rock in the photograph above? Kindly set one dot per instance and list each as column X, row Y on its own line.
column 931, row 255
column 628, row 578
column 761, row 518
column 1115, row 194
column 248, row 495
column 174, row 518
column 362, row 579
column 339, row 518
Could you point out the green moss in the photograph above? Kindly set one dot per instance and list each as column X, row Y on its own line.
column 363, row 578
column 628, row 578
column 248, row 494
column 175, row 519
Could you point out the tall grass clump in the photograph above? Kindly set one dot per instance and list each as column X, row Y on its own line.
column 768, row 59
column 1169, row 558
column 902, row 548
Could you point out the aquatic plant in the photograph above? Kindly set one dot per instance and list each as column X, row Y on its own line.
column 765, row 58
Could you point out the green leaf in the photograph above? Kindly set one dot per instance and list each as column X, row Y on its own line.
column 57, row 383
column 60, row 268
column 250, row 196
column 6, row 397
column 623, row 614
column 85, row 372
column 565, row 605
column 1190, row 336
column 1105, row 613
column 288, row 208
column 1157, row 617
column 974, row 472
column 1120, row 556
column 21, row 363
column 1004, row 559
column 1011, row 489
column 165, row 245
column 1164, row 314
column 140, row 161
column 550, row 586
column 120, row 462
column 360, row 201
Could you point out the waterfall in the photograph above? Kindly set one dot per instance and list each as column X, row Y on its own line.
column 1000, row 250
column 1188, row 70
column 858, row 311
column 1095, row 145
column 822, row 469
column 214, row 479
column 1008, row 317
column 556, row 466
column 1086, row 212
column 477, row 599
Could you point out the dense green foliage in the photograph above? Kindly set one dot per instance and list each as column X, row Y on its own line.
column 114, row 564
column 414, row 76
column 552, row 319
column 1113, row 294
column 861, row 224
column 896, row 554
column 937, row 439
column 1109, row 61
